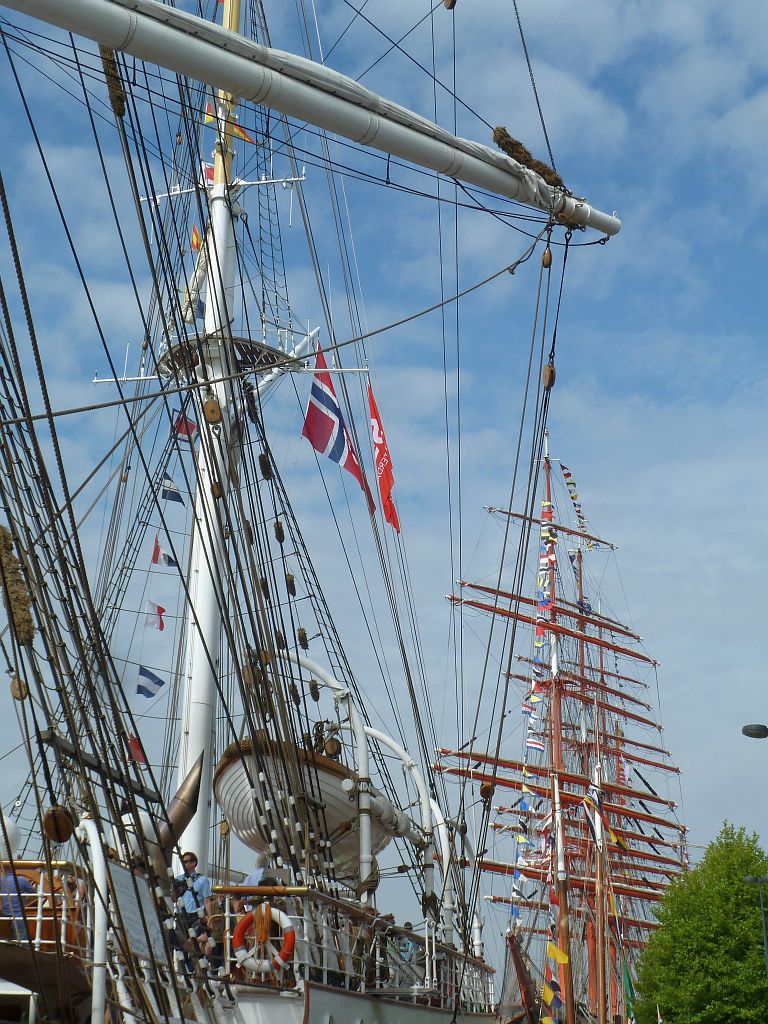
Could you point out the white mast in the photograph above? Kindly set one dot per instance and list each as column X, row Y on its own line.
column 214, row 468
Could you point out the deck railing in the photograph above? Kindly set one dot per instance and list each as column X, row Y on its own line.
column 54, row 916
column 338, row 943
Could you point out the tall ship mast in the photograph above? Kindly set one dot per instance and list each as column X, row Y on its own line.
column 593, row 839
column 187, row 701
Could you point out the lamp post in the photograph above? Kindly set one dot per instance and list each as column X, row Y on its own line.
column 758, row 731
column 755, row 732
column 758, row 880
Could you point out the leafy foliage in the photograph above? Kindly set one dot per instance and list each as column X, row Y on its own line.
column 705, row 964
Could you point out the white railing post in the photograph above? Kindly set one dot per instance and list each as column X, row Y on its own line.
column 89, row 833
column 39, row 915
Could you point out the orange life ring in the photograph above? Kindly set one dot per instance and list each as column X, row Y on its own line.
column 245, row 957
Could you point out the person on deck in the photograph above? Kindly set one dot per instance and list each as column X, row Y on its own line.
column 195, row 890
column 13, row 887
column 260, row 866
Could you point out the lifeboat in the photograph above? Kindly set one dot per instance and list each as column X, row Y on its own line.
column 329, row 786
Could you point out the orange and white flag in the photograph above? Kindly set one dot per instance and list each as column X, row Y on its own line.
column 383, row 464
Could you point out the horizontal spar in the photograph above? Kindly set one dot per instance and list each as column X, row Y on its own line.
column 628, row 922
column 619, row 740
column 589, row 684
column 554, row 627
column 638, row 837
column 573, row 825
column 625, row 942
column 620, row 869
column 565, row 776
column 575, row 667
column 582, row 884
column 555, row 608
column 572, row 799
column 585, row 698
column 303, row 89
column 557, row 527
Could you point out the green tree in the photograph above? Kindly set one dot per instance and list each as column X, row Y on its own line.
column 705, row 964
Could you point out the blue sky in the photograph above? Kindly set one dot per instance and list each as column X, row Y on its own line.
column 659, row 403
column 659, row 408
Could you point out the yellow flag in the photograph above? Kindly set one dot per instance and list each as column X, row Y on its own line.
column 240, row 133
column 556, row 953
column 547, row 994
column 195, row 243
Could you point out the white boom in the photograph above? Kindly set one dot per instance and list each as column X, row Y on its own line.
column 310, row 92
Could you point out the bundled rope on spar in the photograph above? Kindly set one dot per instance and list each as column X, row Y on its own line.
column 261, row 919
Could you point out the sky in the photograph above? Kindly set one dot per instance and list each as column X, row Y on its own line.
column 660, row 395
column 655, row 111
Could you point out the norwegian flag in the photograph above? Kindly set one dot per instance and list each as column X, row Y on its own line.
column 324, row 426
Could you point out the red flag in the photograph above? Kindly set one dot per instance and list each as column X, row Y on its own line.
column 324, row 426
column 183, row 426
column 195, row 243
column 383, row 463
column 153, row 616
column 136, row 750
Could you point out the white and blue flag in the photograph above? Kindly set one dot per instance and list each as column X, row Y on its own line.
column 169, row 490
column 149, row 685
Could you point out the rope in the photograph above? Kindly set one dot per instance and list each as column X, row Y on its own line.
column 241, row 374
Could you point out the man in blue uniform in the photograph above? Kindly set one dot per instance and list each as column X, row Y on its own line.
column 195, row 891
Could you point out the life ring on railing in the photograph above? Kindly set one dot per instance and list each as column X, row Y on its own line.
column 245, row 957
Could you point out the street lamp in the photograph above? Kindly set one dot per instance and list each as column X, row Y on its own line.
column 755, row 732
column 758, row 880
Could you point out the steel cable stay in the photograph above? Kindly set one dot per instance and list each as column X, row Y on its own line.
column 537, row 433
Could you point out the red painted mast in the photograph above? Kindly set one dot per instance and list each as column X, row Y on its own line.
column 556, row 751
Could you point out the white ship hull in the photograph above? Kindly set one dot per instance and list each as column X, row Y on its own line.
column 321, row 1004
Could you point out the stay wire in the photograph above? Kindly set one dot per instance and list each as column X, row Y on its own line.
column 533, row 85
